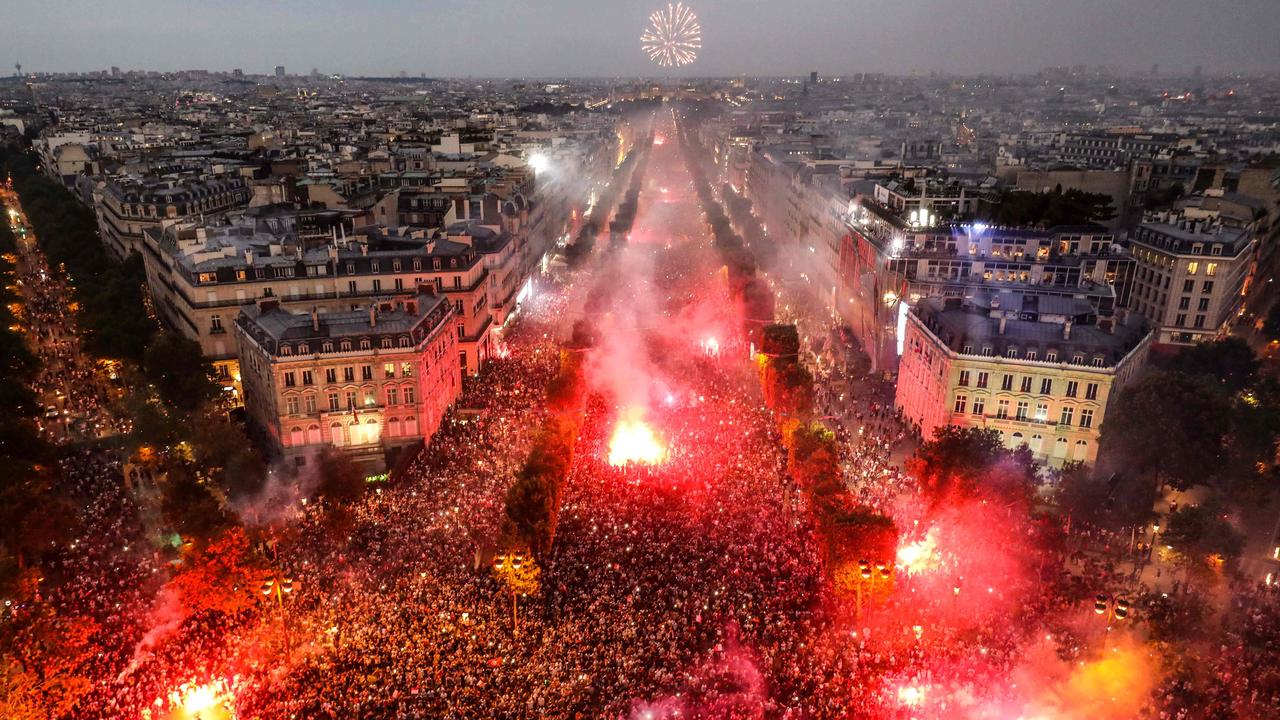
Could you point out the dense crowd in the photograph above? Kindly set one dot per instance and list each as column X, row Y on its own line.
column 691, row 587
column 69, row 385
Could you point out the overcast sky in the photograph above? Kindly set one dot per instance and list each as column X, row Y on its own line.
column 601, row 37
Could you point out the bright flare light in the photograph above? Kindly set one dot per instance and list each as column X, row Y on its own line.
column 633, row 441
column 538, row 162
column 199, row 701
column 710, row 346
column 910, row 695
column 920, row 556
column 673, row 37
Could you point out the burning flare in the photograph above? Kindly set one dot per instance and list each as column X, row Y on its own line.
column 634, row 441
column 920, row 556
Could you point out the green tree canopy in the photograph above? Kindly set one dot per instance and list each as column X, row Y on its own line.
column 1170, row 426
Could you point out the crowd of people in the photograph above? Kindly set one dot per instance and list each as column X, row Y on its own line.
column 72, row 391
column 691, row 586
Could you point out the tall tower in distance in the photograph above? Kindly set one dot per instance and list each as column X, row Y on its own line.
column 279, row 72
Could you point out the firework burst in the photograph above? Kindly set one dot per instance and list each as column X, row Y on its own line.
column 673, row 36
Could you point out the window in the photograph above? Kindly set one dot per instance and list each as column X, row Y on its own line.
column 1203, row 305
column 388, row 370
column 366, row 372
column 406, row 369
column 1031, row 354
column 393, row 396
column 333, row 402
column 408, row 395
column 1193, row 268
column 982, row 378
column 1046, row 386
column 351, row 269
column 351, row 286
column 1180, row 320
column 309, row 402
column 1188, row 285
column 1006, row 383
column 1091, row 391
column 1021, row 412
column 348, row 374
column 979, row 405
column 369, row 399
column 346, row 346
column 1011, row 352
column 331, row 375
column 987, row 351
column 1002, row 409
column 395, row 266
column 1042, row 412
column 1199, row 321
column 1072, row 388
column 365, row 344
column 377, row 285
column 286, row 349
column 290, row 379
column 964, row 378
column 215, row 324
column 375, row 267
column 1211, row 269
column 1086, row 418
column 386, row 343
column 351, row 399
column 1184, row 303
column 1026, row 384
column 1051, row 356
column 1097, row 361
column 1068, row 414
column 291, row 404
column 1207, row 287
column 962, row 403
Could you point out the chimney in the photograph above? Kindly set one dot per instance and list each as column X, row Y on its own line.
column 373, row 315
column 1066, row 329
column 248, row 256
column 315, row 319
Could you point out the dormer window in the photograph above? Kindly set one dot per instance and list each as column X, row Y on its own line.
column 366, row 345
column 386, row 343
column 417, row 264
column 395, row 266
column 286, row 349
column 404, row 341
column 1051, row 356
column 346, row 346
column 1011, row 352
column 326, row 347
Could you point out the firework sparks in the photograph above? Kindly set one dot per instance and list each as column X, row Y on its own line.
column 673, row 37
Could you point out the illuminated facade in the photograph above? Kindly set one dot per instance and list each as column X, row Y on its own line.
column 1192, row 275
column 367, row 381
column 1040, row 370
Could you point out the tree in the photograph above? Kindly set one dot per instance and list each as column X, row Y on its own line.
column 188, row 506
column 220, row 576
column 1201, row 531
column 1112, row 502
column 177, row 367
column 1229, row 362
column 1169, row 426
column 341, row 480
column 1271, row 326
column 972, row 461
column 815, row 461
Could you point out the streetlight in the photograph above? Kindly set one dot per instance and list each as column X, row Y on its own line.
column 280, row 587
column 520, row 574
column 867, row 574
column 1114, row 607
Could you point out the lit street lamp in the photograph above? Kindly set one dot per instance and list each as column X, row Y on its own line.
column 520, row 574
column 280, row 587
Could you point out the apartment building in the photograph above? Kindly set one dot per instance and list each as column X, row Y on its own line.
column 201, row 275
column 128, row 206
column 1040, row 370
column 367, row 381
column 1192, row 274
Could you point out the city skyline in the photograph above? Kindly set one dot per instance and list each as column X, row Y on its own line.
column 559, row 39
